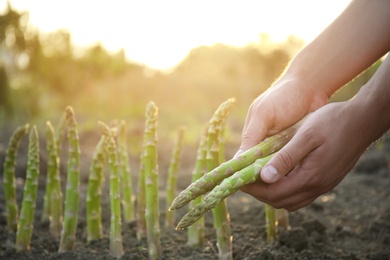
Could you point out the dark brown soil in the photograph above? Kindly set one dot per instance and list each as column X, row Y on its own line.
column 350, row 222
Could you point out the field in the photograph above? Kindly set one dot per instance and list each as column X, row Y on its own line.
column 350, row 222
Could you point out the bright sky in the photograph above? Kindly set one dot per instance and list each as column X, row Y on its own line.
column 161, row 33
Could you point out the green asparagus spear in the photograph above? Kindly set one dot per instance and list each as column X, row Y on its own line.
column 126, row 180
column 172, row 178
column 151, row 182
column 271, row 223
column 9, row 177
column 141, row 201
column 195, row 232
column 226, row 188
column 68, row 233
column 94, row 193
column 226, row 169
column 26, row 221
column 221, row 218
column 53, row 188
column 116, row 246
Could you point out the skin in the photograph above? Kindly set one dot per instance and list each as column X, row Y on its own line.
column 335, row 135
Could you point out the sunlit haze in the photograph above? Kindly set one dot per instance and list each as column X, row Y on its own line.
column 161, row 33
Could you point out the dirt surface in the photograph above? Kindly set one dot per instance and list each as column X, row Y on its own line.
column 350, row 222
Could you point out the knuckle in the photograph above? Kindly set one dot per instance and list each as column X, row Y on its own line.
column 285, row 160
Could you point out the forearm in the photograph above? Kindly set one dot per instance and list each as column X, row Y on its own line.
column 356, row 39
column 371, row 106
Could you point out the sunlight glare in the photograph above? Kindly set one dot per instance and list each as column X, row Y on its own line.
column 161, row 33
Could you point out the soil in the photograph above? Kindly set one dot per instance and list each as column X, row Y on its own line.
column 350, row 222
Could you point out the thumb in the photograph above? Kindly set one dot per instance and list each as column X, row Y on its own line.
column 286, row 159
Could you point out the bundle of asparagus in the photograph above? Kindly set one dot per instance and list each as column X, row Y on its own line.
column 230, row 176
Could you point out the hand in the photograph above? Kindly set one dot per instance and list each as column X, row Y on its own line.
column 319, row 156
column 281, row 106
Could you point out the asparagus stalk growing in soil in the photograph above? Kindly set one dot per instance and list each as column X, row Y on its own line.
column 220, row 212
column 9, row 177
column 271, row 223
column 151, row 182
column 226, row 188
column 53, row 187
column 226, row 169
column 141, row 200
column 116, row 246
column 195, row 232
column 126, row 181
column 26, row 221
column 68, row 234
column 59, row 137
column 172, row 178
column 94, row 193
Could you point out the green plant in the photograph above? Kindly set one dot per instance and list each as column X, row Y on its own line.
column 151, row 182
column 9, row 177
column 195, row 232
column 172, row 178
column 125, row 174
column 94, row 192
column 221, row 216
column 68, row 234
column 116, row 246
column 26, row 220
column 53, row 185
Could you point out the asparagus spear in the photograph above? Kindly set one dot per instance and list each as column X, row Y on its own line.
column 68, row 234
column 271, row 223
column 141, row 201
column 9, row 177
column 53, row 188
column 221, row 218
column 226, row 188
column 226, row 169
column 94, row 193
column 26, row 221
column 126, row 181
column 151, row 182
column 59, row 136
column 172, row 178
column 195, row 232
column 116, row 246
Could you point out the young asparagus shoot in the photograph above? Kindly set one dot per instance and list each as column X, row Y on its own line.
column 151, row 182
column 53, row 187
column 195, row 232
column 226, row 169
column 94, row 193
column 26, row 221
column 116, row 246
column 141, row 200
column 221, row 215
column 227, row 187
column 271, row 223
column 9, row 177
column 59, row 137
column 68, row 233
column 125, row 174
column 172, row 178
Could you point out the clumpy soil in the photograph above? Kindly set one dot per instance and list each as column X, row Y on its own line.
column 350, row 222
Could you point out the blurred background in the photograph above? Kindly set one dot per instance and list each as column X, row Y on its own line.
column 107, row 59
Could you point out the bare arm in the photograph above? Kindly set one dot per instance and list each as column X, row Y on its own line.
column 357, row 38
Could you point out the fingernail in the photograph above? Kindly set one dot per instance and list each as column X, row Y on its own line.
column 237, row 153
column 269, row 174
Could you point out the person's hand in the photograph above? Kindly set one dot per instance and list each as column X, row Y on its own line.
column 318, row 157
column 281, row 106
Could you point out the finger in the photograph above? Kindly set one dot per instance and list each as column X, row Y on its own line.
column 289, row 156
column 254, row 131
